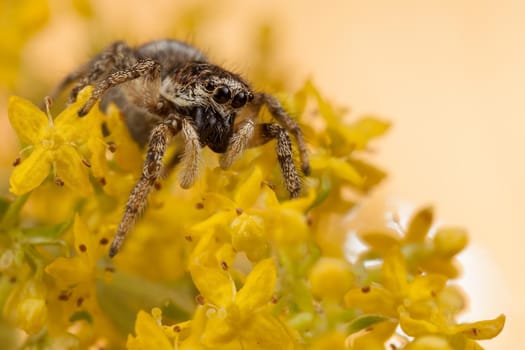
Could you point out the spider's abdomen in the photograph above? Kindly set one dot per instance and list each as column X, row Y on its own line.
column 214, row 130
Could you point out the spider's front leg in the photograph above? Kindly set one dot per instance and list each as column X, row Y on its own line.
column 146, row 68
column 117, row 55
column 151, row 172
column 288, row 123
column 268, row 131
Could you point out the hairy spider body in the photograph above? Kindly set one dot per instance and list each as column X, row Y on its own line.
column 167, row 87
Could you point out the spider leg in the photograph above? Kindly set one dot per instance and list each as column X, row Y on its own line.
column 238, row 143
column 191, row 156
column 117, row 55
column 151, row 172
column 288, row 123
column 144, row 68
column 269, row 131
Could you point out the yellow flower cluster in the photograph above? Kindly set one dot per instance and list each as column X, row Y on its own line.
column 232, row 263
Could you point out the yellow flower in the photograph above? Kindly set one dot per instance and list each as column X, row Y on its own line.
column 461, row 336
column 396, row 289
column 253, row 217
column 330, row 278
column 56, row 144
column 149, row 335
column 423, row 253
column 74, row 287
column 244, row 316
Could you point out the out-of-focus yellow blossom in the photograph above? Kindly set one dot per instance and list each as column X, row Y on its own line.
column 19, row 20
column 373, row 337
column 27, row 306
column 460, row 336
column 423, row 253
column 330, row 278
column 396, row 289
column 55, row 144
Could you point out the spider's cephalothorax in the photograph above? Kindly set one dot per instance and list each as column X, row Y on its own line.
column 167, row 87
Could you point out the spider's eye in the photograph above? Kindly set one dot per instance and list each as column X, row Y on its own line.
column 222, row 94
column 209, row 86
column 239, row 100
column 250, row 96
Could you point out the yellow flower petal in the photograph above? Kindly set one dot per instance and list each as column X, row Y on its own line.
column 449, row 241
column 394, row 272
column 247, row 233
column 149, row 335
column 85, row 243
column 70, row 169
column 416, row 327
column 429, row 342
column 419, row 225
column 259, row 286
column 426, row 287
column 214, row 284
column 482, row 329
column 219, row 330
column 68, row 271
column 372, row 300
column 264, row 331
column 31, row 172
column 381, row 241
column 249, row 189
column 339, row 168
column 27, row 120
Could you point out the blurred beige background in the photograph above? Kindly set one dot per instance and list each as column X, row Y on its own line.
column 449, row 74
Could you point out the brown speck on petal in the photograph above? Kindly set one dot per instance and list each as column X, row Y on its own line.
column 103, row 241
column 200, row 299
column 224, row 265
column 86, row 163
column 82, row 248
column 239, row 211
column 59, row 182
column 17, row 161
column 199, row 205
column 365, row 289
column 112, row 147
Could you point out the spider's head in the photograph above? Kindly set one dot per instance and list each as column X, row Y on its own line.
column 211, row 96
column 207, row 86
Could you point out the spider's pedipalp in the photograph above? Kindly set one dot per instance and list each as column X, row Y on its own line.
column 151, row 172
column 238, row 143
column 191, row 156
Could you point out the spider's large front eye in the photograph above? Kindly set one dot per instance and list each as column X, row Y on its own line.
column 222, row 94
column 239, row 100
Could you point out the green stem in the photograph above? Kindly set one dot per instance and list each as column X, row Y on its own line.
column 11, row 215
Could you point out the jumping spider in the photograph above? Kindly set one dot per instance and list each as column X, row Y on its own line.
column 168, row 87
